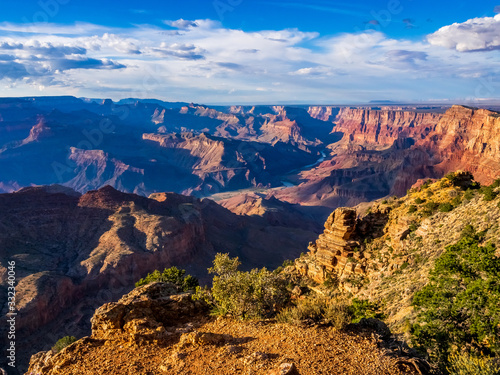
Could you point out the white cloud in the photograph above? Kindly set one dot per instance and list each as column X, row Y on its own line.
column 204, row 62
column 477, row 34
column 181, row 24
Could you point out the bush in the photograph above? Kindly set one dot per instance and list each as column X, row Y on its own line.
column 363, row 309
column 419, row 200
column 460, row 306
column 172, row 275
column 468, row 232
column 412, row 209
column 445, row 207
column 247, row 295
column 62, row 343
column 456, row 201
column 426, row 184
column 465, row 364
column 335, row 312
column 469, row 194
column 429, row 208
column 451, row 176
column 488, row 193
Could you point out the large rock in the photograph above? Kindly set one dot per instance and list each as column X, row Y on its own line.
column 335, row 252
column 151, row 313
column 145, row 313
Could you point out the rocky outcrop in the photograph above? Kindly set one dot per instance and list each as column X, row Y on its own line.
column 74, row 252
column 154, row 313
column 380, row 128
column 467, row 139
column 155, row 330
column 336, row 252
column 384, row 152
column 323, row 113
column 339, row 252
column 146, row 314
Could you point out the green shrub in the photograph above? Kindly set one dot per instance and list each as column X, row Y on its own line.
column 451, row 176
column 469, row 194
column 445, row 207
column 247, row 295
column 426, row 184
column 460, row 306
column 361, row 309
column 465, row 364
column 335, row 312
column 488, row 193
column 413, row 227
column 456, row 201
column 288, row 263
column 62, row 343
column 412, row 209
column 468, row 232
column 419, row 200
column 431, row 205
column 172, row 275
column 429, row 208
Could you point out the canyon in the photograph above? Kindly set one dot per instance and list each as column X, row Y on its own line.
column 95, row 194
column 149, row 146
column 74, row 252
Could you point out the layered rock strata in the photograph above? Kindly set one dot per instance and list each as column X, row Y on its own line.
column 335, row 252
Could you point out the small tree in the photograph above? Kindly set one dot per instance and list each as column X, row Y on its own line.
column 460, row 306
column 253, row 294
column 172, row 275
column 445, row 207
column 412, row 209
column 62, row 343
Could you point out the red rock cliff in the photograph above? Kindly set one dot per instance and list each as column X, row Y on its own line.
column 382, row 127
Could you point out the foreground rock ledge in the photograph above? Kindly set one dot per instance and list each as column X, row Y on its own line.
column 155, row 329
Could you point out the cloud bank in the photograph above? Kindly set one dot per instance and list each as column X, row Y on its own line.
column 200, row 60
column 477, row 34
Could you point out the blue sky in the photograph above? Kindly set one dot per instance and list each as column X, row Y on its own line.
column 252, row 51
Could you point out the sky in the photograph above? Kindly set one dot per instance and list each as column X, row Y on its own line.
column 252, row 51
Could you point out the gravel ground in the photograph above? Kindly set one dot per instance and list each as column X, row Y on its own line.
column 224, row 346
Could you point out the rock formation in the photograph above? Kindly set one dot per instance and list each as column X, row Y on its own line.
column 155, row 330
column 384, row 152
column 335, row 253
column 218, row 164
column 74, row 252
column 273, row 211
column 380, row 128
column 148, row 146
